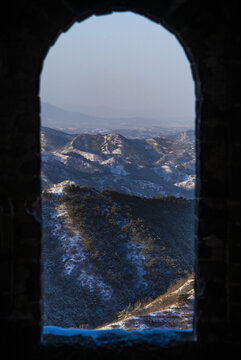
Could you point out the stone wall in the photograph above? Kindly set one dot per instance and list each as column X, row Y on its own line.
column 210, row 35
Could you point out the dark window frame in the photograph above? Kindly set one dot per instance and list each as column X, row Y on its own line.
column 113, row 339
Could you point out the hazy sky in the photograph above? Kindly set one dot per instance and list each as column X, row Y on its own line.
column 119, row 65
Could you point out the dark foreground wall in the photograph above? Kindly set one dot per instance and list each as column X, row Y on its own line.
column 210, row 35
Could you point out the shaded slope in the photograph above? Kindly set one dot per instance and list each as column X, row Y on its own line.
column 53, row 139
column 112, row 250
column 172, row 310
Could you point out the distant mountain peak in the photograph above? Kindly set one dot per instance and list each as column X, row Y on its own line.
column 145, row 167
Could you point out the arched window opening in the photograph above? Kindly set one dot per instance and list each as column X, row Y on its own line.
column 118, row 178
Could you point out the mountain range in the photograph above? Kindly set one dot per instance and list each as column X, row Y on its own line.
column 118, row 225
column 146, row 167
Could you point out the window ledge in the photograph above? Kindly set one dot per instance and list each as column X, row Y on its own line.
column 55, row 336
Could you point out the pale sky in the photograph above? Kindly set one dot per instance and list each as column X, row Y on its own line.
column 118, row 65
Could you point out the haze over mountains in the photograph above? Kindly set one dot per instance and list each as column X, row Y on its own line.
column 78, row 122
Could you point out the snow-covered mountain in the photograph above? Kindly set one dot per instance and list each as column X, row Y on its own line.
column 162, row 165
column 104, row 254
column 109, row 245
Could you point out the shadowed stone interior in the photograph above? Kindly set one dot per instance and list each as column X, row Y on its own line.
column 210, row 35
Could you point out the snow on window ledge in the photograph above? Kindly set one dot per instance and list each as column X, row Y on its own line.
column 54, row 335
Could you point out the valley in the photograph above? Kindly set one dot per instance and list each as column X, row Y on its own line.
column 118, row 229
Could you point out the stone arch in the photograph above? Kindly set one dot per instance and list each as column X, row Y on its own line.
column 56, row 40
column 63, row 24
column 208, row 32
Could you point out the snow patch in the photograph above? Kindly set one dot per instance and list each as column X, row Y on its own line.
column 106, row 337
column 117, row 151
column 74, row 258
column 87, row 155
column 166, row 169
column 55, row 156
column 58, row 189
column 188, row 184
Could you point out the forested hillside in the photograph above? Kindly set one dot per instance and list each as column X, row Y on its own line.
column 110, row 251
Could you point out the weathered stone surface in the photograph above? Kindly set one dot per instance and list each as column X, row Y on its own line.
column 210, row 34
